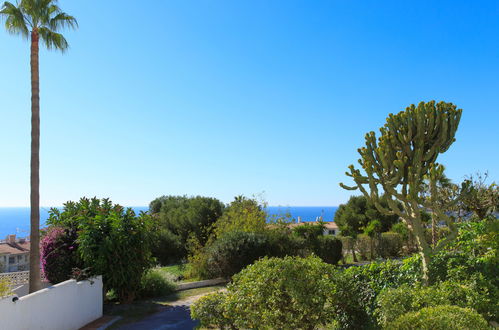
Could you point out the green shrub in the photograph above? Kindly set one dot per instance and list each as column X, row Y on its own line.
column 209, row 310
column 283, row 244
column 393, row 303
column 309, row 231
column 440, row 318
column 155, row 284
column 5, row 288
column 329, row 249
column 390, row 245
column 167, row 247
column 287, row 293
column 358, row 287
column 235, row 250
column 58, row 254
column 112, row 242
column 363, row 244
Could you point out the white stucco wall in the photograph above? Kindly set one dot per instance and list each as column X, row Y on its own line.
column 65, row 306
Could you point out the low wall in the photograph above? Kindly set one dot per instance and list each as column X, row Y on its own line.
column 200, row 284
column 65, row 306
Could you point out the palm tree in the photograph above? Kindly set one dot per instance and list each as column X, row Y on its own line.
column 36, row 20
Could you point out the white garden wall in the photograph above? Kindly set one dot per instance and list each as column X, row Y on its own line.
column 65, row 306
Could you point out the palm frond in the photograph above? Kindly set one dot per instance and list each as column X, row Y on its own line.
column 15, row 21
column 63, row 20
column 53, row 40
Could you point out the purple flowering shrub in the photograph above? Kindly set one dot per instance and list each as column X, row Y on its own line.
column 58, row 253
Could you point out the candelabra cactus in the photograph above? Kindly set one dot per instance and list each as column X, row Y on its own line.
column 396, row 164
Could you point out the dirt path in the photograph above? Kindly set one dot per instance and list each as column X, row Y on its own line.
column 175, row 316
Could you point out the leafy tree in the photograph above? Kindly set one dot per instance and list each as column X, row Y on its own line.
column 36, row 20
column 396, row 164
column 355, row 216
column 112, row 242
column 482, row 199
column 243, row 214
column 187, row 216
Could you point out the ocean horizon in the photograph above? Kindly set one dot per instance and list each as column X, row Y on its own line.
column 15, row 220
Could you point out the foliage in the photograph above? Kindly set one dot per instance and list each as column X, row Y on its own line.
column 209, row 310
column 5, row 288
column 440, row 317
column 235, row 250
column 167, row 247
column 154, row 283
column 309, row 231
column 401, row 159
column 187, row 216
column 393, row 303
column 354, row 217
column 59, row 255
column 112, row 242
column 243, row 214
column 482, row 199
column 475, row 251
column 284, row 244
column 357, row 288
column 287, row 293
column 363, row 245
column 390, row 245
column 329, row 249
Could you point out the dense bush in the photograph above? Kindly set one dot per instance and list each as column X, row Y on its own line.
column 155, row 284
column 329, row 249
column 283, row 244
column 167, row 247
column 358, row 287
column 364, row 245
column 58, row 252
column 440, row 318
column 112, row 242
column 309, row 231
column 209, row 310
column 390, row 245
column 287, row 293
column 235, row 250
column 5, row 288
column 393, row 303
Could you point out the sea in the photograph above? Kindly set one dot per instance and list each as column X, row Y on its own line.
column 15, row 220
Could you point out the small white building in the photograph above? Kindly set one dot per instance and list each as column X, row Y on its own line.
column 14, row 255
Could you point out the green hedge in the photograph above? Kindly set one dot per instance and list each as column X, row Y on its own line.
column 394, row 302
column 440, row 318
column 274, row 293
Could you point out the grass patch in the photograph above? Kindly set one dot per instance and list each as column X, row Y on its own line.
column 179, row 271
column 182, row 295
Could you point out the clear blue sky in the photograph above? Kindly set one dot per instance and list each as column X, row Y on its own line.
column 221, row 98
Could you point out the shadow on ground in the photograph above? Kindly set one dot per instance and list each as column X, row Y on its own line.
column 175, row 317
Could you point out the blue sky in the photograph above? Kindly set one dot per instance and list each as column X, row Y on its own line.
column 221, row 98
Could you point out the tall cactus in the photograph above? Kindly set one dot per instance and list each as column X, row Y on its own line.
column 396, row 164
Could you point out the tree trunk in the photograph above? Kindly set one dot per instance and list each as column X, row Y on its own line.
column 353, row 251
column 34, row 260
column 424, row 249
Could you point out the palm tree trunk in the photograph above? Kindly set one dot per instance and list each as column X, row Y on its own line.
column 34, row 260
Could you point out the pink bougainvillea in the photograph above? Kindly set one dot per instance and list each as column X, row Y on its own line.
column 58, row 253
